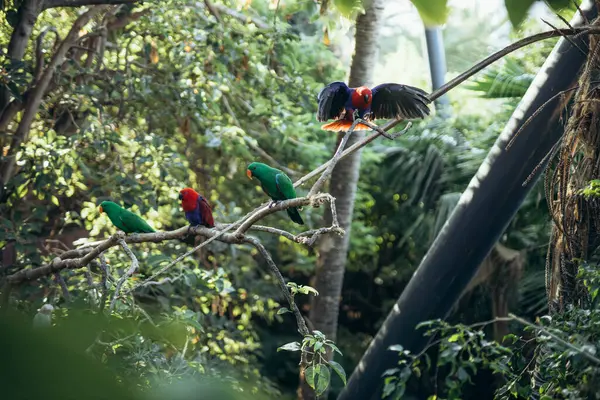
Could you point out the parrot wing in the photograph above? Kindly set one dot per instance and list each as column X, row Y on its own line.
column 332, row 99
column 205, row 212
column 392, row 100
column 286, row 190
column 134, row 223
column 285, row 187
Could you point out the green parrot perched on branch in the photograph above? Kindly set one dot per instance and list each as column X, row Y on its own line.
column 124, row 219
column 277, row 185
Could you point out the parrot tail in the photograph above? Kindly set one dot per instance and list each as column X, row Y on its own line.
column 295, row 215
column 343, row 125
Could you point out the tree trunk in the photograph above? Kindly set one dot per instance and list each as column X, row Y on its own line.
column 28, row 14
column 437, row 66
column 481, row 216
column 333, row 249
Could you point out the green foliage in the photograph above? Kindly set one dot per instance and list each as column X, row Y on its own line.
column 177, row 100
column 432, row 12
column 318, row 371
column 508, row 80
column 592, row 189
column 567, row 344
column 517, row 9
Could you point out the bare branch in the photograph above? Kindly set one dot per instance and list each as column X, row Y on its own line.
column 242, row 17
column 455, row 82
column 78, row 3
column 307, row 238
column 63, row 286
column 211, row 9
column 302, row 329
column 134, row 267
column 104, row 281
column 260, row 213
column 39, row 51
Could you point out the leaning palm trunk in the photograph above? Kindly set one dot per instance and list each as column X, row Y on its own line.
column 481, row 216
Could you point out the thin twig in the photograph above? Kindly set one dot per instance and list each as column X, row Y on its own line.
column 63, row 286
column 454, row 83
column 319, row 183
column 134, row 267
column 302, row 329
column 584, row 353
column 103, row 281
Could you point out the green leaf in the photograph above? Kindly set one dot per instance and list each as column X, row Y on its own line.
column 432, row 12
column 318, row 346
column 348, row 8
column 388, row 389
column 454, row 337
column 396, row 347
column 335, row 348
column 462, row 374
column 291, row 346
column 318, row 377
column 517, row 10
column 283, row 310
column 338, row 370
column 307, row 290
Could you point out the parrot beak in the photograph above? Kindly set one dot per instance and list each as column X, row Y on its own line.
column 249, row 174
column 100, row 209
column 366, row 97
column 180, row 196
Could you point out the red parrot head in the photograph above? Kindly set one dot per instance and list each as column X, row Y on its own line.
column 362, row 97
column 188, row 197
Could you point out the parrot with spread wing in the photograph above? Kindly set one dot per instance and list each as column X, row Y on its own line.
column 196, row 208
column 124, row 219
column 277, row 185
column 389, row 100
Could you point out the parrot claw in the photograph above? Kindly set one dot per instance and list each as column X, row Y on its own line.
column 274, row 203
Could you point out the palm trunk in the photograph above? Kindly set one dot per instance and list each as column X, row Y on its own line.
column 481, row 216
column 333, row 249
column 437, row 66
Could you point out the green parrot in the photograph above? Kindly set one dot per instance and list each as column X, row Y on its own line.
column 277, row 185
column 124, row 219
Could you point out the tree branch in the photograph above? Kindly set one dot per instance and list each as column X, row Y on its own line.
column 78, row 3
column 302, row 329
column 241, row 17
column 454, row 83
column 34, row 101
column 134, row 267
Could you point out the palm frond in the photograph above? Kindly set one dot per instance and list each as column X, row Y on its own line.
column 508, row 80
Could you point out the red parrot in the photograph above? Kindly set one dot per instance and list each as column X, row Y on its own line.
column 197, row 210
column 389, row 100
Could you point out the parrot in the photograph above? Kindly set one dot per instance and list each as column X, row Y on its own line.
column 277, row 185
column 124, row 219
column 197, row 210
column 389, row 100
column 43, row 318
